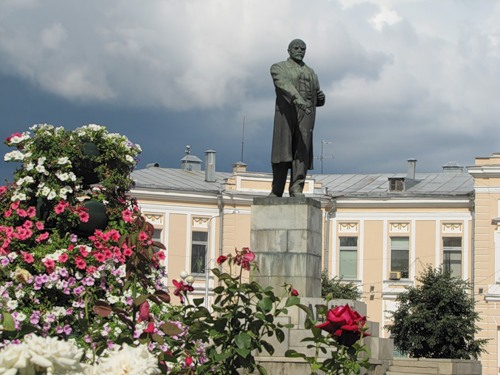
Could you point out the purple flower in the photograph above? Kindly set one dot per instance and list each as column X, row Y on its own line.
column 73, row 237
column 78, row 290
column 88, row 281
column 63, row 272
column 4, row 261
column 35, row 317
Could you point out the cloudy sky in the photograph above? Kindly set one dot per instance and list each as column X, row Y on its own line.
column 403, row 78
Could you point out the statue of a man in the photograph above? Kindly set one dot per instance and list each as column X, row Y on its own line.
column 297, row 96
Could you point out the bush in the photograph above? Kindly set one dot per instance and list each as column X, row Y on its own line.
column 336, row 288
column 437, row 319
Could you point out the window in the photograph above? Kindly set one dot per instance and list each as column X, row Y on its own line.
column 400, row 255
column 199, row 245
column 396, row 184
column 348, row 257
column 452, row 255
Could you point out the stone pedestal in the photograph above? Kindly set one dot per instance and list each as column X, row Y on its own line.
column 286, row 239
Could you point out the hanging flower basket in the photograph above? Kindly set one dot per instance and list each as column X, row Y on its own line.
column 98, row 218
column 85, row 167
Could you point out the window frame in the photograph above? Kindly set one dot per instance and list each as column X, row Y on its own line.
column 348, row 249
column 405, row 274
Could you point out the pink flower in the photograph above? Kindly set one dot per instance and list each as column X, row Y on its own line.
column 31, row 211
column 127, row 216
column 21, row 212
column 100, row 257
column 27, row 257
column 161, row 255
column 221, row 259
column 63, row 258
column 150, row 328
column 39, row 225
column 143, row 236
column 294, row 292
column 7, row 213
column 42, row 237
column 80, row 263
column 60, row 207
column 49, row 264
column 244, row 258
column 189, row 361
column 83, row 216
column 114, row 235
column 3, row 189
column 181, row 289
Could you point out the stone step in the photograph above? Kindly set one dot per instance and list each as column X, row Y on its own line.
column 412, row 370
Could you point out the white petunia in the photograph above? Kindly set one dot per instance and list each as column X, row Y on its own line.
column 63, row 176
column 14, row 156
column 29, row 166
column 51, row 195
column 63, row 160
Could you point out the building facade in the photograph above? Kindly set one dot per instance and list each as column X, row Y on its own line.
column 379, row 230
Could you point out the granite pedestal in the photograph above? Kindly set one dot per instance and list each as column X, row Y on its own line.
column 286, row 237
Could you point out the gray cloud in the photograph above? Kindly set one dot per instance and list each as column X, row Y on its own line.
column 405, row 78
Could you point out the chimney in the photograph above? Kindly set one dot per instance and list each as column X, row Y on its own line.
column 239, row 167
column 412, row 166
column 210, row 166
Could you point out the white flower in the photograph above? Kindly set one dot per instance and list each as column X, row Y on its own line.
column 130, row 159
column 20, row 317
column 45, row 191
column 41, row 169
column 63, row 160
column 19, row 138
column 63, row 176
column 12, row 304
column 29, row 166
column 41, row 160
column 60, row 356
column 25, row 180
column 51, row 195
column 72, row 176
column 13, row 358
column 14, row 156
column 18, row 196
column 130, row 361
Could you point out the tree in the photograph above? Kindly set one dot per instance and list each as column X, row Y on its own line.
column 337, row 289
column 436, row 319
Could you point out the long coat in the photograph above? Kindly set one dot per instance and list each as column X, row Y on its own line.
column 292, row 134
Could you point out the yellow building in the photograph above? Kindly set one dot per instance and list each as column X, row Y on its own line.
column 380, row 230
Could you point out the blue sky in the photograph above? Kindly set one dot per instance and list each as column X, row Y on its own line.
column 403, row 78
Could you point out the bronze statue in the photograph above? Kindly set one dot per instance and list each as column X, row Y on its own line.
column 297, row 96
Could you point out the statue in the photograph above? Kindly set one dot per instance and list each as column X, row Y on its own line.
column 297, row 96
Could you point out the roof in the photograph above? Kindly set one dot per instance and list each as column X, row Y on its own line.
column 375, row 185
column 177, row 179
column 346, row 185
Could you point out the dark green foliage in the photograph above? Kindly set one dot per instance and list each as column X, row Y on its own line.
column 437, row 318
column 337, row 289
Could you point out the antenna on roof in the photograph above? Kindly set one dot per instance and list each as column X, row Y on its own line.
column 242, row 139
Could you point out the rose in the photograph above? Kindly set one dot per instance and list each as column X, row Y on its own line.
column 346, row 324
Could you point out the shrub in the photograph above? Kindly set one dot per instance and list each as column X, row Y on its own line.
column 437, row 319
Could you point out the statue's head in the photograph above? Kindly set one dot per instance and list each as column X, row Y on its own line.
column 297, row 50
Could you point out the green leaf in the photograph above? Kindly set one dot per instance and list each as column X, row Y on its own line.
column 243, row 352
column 307, row 310
column 157, row 338
column 294, row 354
column 141, row 299
column 243, row 340
column 280, row 335
column 8, row 322
column 265, row 304
column 262, row 370
column 170, row 329
column 292, row 301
